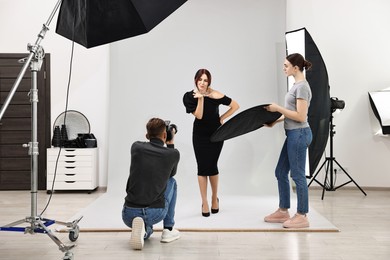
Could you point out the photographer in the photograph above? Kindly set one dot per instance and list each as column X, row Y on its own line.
column 151, row 188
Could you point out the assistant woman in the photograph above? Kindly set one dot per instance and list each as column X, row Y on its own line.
column 203, row 102
column 298, row 138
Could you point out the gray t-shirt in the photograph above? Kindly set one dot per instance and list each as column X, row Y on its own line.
column 300, row 90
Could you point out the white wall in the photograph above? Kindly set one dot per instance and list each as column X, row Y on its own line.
column 20, row 23
column 242, row 44
column 353, row 39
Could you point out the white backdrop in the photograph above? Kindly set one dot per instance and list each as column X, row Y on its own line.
column 242, row 44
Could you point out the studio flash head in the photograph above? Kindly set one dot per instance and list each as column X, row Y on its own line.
column 335, row 103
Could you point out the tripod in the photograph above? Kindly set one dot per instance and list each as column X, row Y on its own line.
column 36, row 223
column 330, row 167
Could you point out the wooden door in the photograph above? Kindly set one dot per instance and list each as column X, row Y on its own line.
column 15, row 126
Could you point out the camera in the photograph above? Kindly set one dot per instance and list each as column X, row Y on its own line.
column 335, row 103
column 170, row 127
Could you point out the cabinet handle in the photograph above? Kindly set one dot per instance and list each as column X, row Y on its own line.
column 70, row 161
column 70, row 174
column 70, row 181
column 70, row 167
column 70, row 155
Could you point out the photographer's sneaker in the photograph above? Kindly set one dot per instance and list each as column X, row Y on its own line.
column 169, row 235
column 298, row 221
column 137, row 234
column 278, row 217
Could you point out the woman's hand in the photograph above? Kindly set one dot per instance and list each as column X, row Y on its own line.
column 209, row 93
column 271, row 124
column 299, row 115
column 197, row 94
column 233, row 108
column 272, row 108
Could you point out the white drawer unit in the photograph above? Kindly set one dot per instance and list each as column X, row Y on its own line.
column 77, row 169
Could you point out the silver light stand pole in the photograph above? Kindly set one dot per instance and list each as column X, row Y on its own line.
column 37, row 224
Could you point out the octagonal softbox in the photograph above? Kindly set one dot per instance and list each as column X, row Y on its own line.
column 97, row 22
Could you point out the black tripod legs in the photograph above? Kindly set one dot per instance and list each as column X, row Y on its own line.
column 323, row 185
column 329, row 173
column 350, row 179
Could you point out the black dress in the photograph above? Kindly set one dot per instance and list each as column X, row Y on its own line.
column 206, row 152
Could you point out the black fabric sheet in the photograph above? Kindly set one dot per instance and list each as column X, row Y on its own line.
column 97, row 22
column 244, row 122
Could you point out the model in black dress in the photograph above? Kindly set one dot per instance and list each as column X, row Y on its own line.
column 203, row 103
column 206, row 152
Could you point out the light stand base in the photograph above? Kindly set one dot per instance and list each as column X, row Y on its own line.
column 40, row 225
column 329, row 168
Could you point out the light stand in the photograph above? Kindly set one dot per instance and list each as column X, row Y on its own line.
column 329, row 167
column 37, row 224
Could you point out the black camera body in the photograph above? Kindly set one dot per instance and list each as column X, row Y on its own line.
column 170, row 127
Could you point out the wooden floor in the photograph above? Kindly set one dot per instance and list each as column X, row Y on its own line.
column 364, row 223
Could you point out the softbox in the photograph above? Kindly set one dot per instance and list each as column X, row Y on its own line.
column 319, row 113
column 97, row 22
column 379, row 101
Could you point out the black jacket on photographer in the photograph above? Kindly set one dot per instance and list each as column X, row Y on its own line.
column 152, row 164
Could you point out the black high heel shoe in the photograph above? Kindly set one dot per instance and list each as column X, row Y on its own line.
column 205, row 214
column 215, row 211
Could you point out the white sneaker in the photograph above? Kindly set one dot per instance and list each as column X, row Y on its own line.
column 137, row 234
column 169, row 236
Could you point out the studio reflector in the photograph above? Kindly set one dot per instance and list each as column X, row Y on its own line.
column 96, row 22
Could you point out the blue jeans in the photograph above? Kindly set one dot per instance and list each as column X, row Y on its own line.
column 293, row 159
column 153, row 216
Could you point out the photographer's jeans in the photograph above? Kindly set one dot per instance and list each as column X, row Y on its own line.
column 153, row 216
column 293, row 159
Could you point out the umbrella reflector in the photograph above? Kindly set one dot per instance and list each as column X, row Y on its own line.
column 97, row 22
